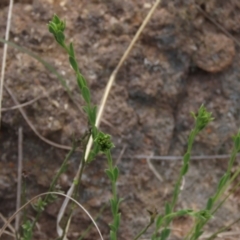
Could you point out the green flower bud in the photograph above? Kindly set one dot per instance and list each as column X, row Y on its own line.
column 202, row 118
column 104, row 142
column 57, row 27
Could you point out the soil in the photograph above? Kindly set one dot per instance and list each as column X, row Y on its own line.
column 183, row 59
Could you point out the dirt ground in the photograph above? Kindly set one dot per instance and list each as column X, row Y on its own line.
column 187, row 55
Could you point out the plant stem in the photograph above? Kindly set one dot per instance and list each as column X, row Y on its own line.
column 222, row 229
column 110, row 165
column 220, row 192
column 179, row 181
column 115, row 200
column 53, row 183
column 223, row 201
column 76, row 188
column 84, row 234
column 143, row 230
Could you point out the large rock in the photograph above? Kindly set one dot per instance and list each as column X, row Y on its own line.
column 215, row 52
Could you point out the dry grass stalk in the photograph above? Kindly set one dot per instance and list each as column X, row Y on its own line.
column 5, row 54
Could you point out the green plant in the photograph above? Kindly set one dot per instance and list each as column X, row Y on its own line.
column 223, row 184
column 103, row 144
column 202, row 118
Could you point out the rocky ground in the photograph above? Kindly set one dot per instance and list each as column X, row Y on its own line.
column 187, row 55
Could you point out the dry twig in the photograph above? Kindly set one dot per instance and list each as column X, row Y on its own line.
column 12, row 233
column 5, row 54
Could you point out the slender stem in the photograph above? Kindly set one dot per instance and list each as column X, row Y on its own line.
column 76, row 188
column 176, row 192
column 109, row 159
column 222, row 229
column 53, row 183
column 110, row 165
column 74, row 197
column 84, row 234
column 219, row 193
column 223, row 201
column 143, row 230
column 113, row 233
column 179, row 181
column 61, row 170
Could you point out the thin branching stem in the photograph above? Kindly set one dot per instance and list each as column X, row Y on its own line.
column 54, row 181
column 143, row 230
column 76, row 189
column 214, row 235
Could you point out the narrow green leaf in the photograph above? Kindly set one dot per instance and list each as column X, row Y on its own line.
column 112, row 227
column 84, row 81
column 191, row 138
column 167, row 209
column 209, row 203
column 114, row 207
column 93, row 115
column 118, row 204
column 117, row 223
column 80, row 80
column 60, row 37
column 62, row 25
column 222, row 181
column 94, row 132
column 73, row 63
column 197, row 234
column 186, row 158
column 184, row 169
column 51, row 28
column 203, row 214
column 71, row 50
column 159, row 221
column 56, row 19
column 86, row 95
column 165, row 233
column 184, row 212
column 237, row 142
column 115, row 173
column 109, row 174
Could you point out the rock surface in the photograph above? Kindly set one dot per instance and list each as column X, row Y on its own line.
column 181, row 60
